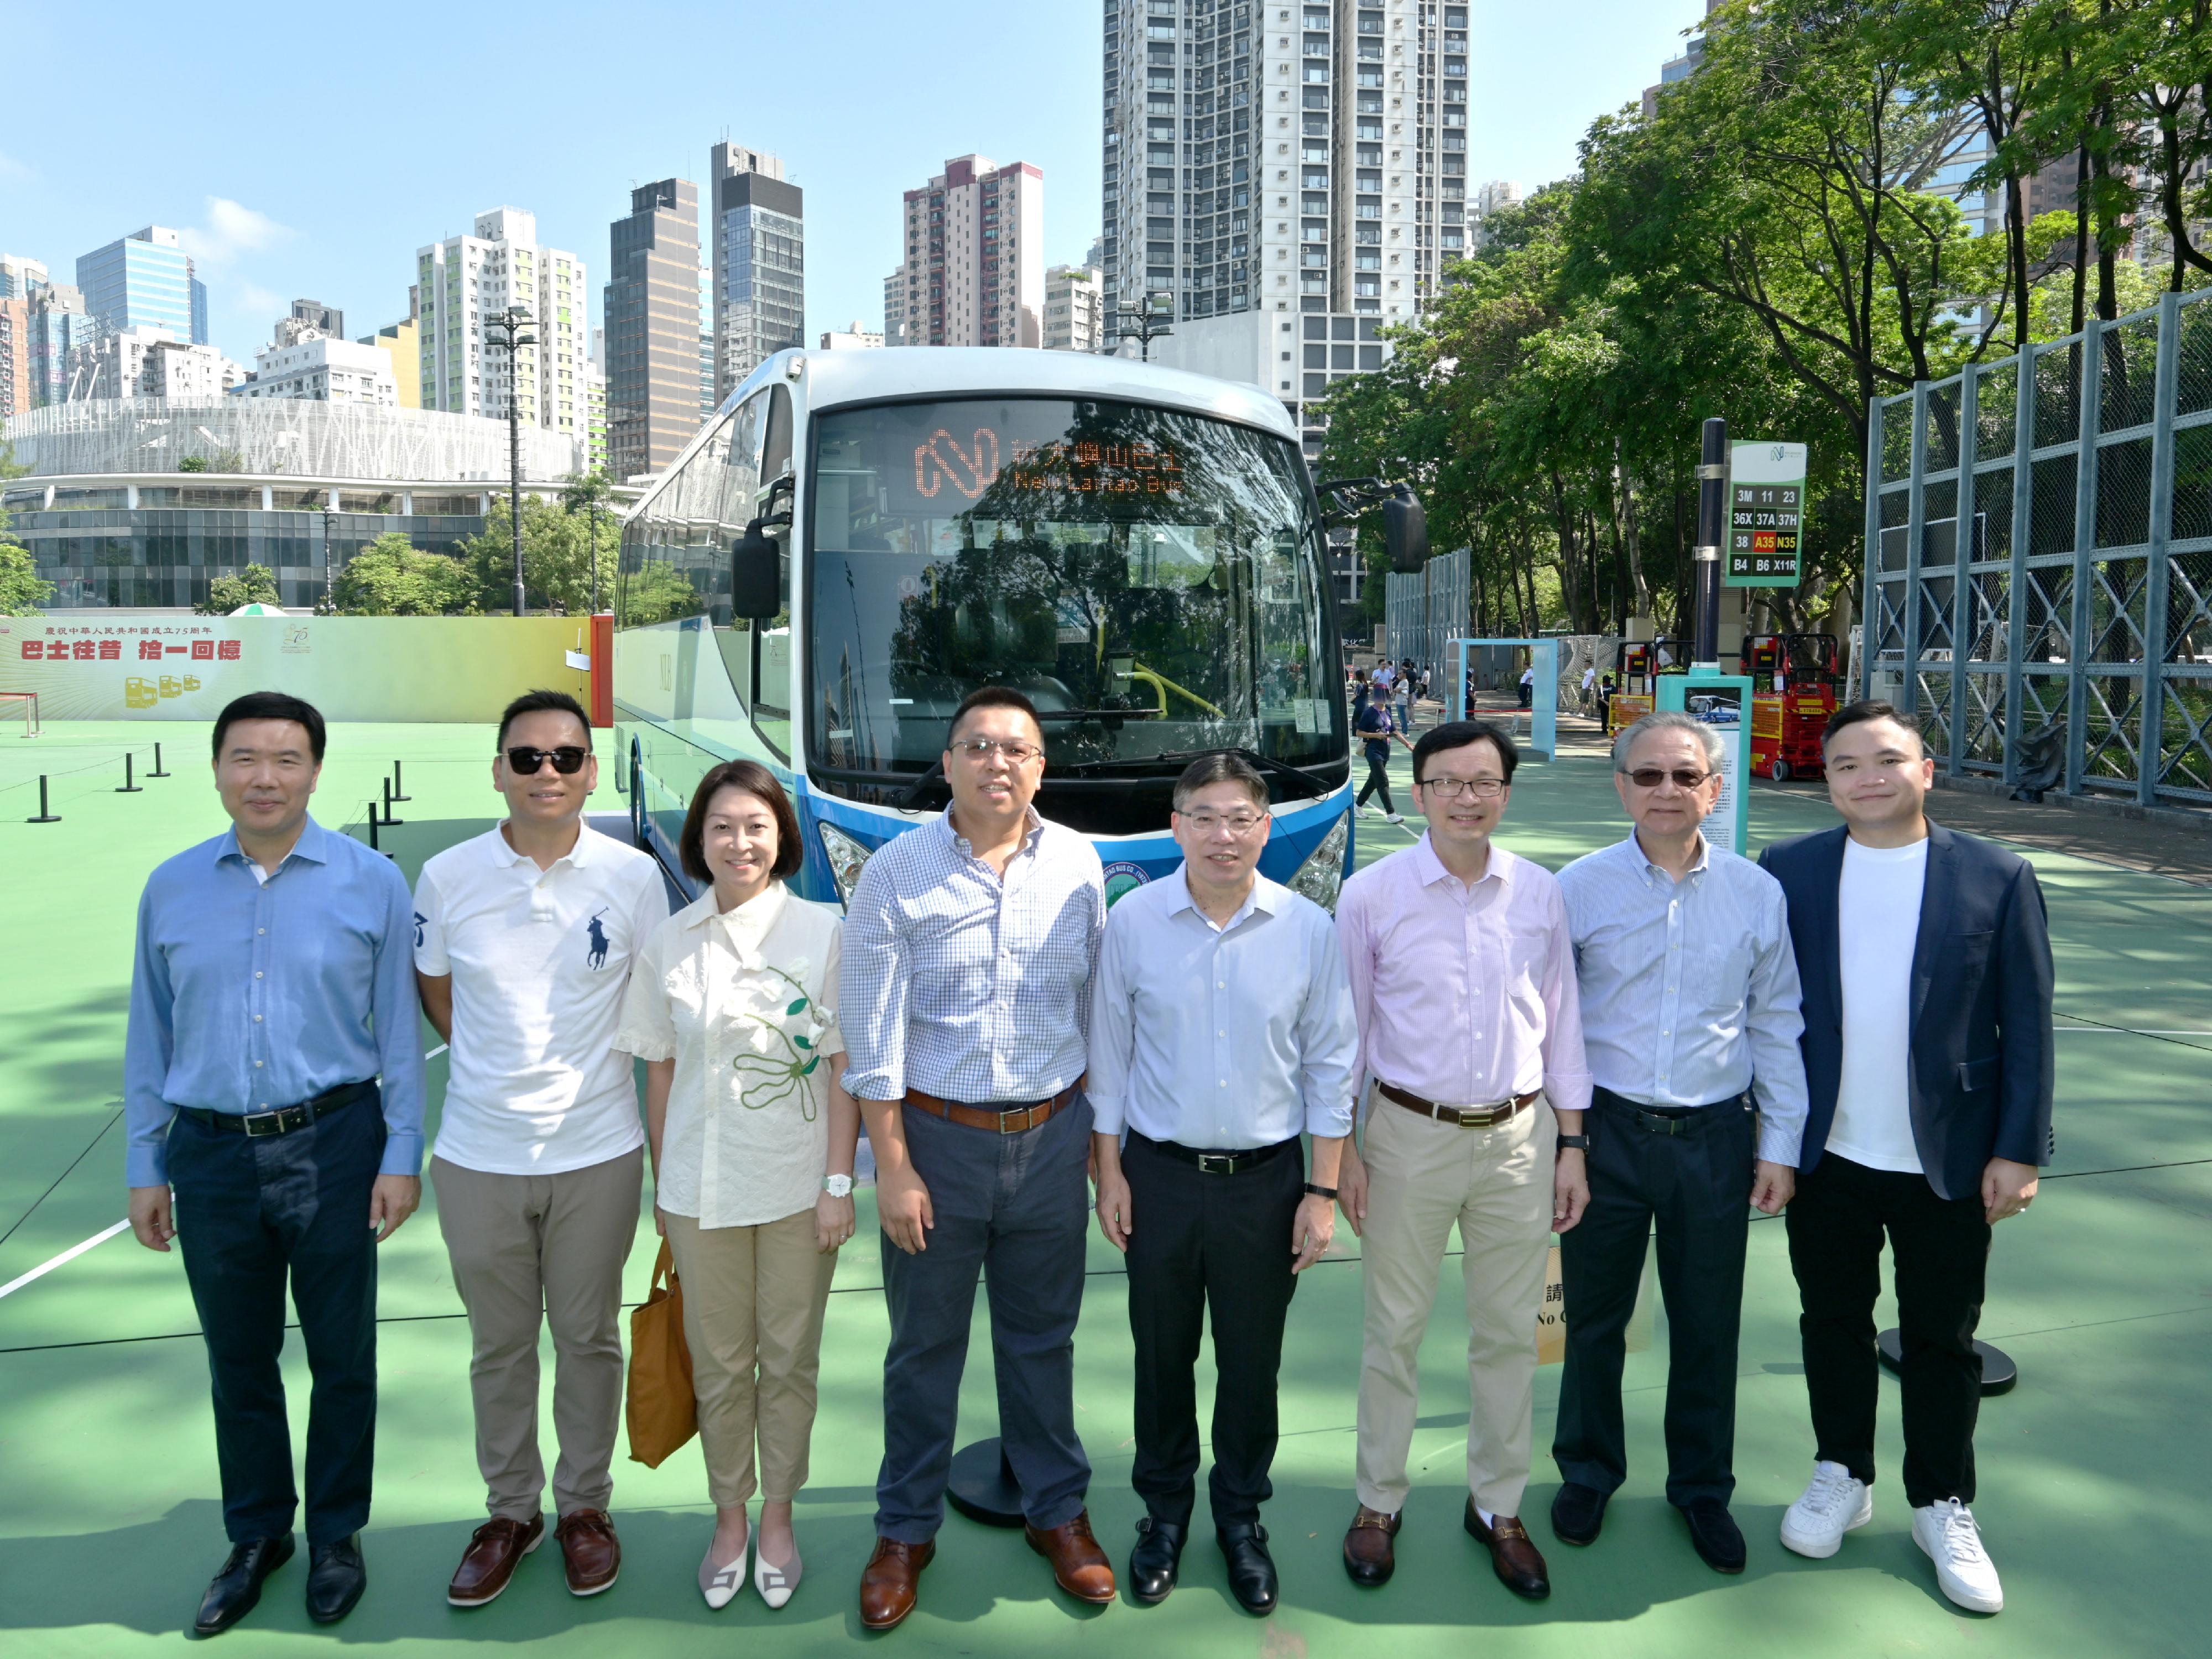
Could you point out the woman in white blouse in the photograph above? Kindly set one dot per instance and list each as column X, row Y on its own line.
column 731, row 1007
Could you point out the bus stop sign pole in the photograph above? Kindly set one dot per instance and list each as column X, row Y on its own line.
column 1712, row 487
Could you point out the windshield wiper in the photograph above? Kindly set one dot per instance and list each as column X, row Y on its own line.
column 1264, row 762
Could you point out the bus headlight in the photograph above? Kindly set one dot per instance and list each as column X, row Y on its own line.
column 1320, row 878
column 847, row 858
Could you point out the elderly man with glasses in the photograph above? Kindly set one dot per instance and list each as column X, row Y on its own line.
column 1691, row 1013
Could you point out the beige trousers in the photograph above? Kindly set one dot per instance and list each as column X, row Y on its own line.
column 753, row 1299
column 551, row 1249
column 1495, row 1183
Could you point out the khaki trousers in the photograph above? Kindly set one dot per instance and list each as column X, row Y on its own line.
column 753, row 1299
column 525, row 1248
column 1495, row 1183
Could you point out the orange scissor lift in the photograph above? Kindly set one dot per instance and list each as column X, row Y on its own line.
column 1795, row 678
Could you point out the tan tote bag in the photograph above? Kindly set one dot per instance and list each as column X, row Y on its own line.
column 664, row 1412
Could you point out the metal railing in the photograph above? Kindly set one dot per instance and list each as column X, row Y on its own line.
column 1423, row 611
column 2038, row 536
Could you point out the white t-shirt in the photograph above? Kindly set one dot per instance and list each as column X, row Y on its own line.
column 1878, row 921
column 540, row 959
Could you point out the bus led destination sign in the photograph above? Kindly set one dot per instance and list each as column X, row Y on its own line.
column 1071, row 467
column 1766, row 506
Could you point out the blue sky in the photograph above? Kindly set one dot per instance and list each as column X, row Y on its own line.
column 310, row 151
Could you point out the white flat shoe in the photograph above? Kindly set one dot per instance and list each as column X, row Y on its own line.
column 774, row 1583
column 720, row 1585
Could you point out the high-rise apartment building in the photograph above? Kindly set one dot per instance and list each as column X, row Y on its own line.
column 895, row 308
column 401, row 343
column 61, row 330
column 145, row 280
column 652, row 312
column 464, row 280
column 21, row 276
column 16, row 389
column 187, row 373
column 322, row 369
column 859, row 337
column 1075, row 308
column 974, row 270
column 758, row 229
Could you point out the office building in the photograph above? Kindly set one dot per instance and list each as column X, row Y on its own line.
column 1075, row 308
column 309, row 319
column 60, row 329
column 859, row 337
column 145, row 280
column 708, row 403
column 1678, row 68
column 17, row 389
column 324, row 370
column 462, row 282
column 974, row 270
column 652, row 312
column 757, row 226
column 401, row 344
column 21, row 276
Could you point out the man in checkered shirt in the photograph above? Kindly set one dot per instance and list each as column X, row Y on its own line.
column 968, row 952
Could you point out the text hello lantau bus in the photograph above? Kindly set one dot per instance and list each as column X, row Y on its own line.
column 869, row 536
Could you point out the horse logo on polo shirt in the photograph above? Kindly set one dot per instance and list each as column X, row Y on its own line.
column 596, row 957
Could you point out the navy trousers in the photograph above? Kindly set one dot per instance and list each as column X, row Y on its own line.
column 1015, row 1209
column 252, row 1213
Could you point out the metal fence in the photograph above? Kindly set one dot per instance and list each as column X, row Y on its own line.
column 2074, row 611
column 1424, row 611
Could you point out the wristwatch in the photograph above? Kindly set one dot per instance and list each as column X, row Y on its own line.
column 837, row 1186
column 1574, row 1143
column 1321, row 1192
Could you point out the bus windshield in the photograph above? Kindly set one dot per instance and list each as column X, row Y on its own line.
column 1151, row 580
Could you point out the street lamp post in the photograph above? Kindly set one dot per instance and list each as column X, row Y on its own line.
column 595, row 552
column 1152, row 324
column 330, row 580
column 504, row 333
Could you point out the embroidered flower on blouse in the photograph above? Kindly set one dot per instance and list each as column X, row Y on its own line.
column 792, row 1054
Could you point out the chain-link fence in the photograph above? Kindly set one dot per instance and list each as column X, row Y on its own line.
column 2046, row 618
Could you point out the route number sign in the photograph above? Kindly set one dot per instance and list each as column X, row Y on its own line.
column 1766, row 506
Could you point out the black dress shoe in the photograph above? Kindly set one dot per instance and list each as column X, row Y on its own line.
column 1714, row 1532
column 1153, row 1562
column 336, row 1580
column 1578, row 1513
column 235, row 1589
column 1251, row 1569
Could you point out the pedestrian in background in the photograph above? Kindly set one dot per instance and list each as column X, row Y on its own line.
column 1378, row 729
column 272, row 1083
column 733, row 1008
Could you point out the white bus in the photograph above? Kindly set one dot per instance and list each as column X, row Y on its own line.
column 859, row 539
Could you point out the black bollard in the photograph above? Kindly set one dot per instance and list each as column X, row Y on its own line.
column 397, row 785
column 373, row 847
column 129, row 787
column 157, row 772
column 388, row 819
column 45, row 816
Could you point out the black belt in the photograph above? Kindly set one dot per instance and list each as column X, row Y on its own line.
column 1222, row 1161
column 281, row 1120
column 1666, row 1119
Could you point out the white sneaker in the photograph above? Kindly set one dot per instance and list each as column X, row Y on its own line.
column 1394, row 818
column 1833, row 1504
column 1371, row 811
column 1946, row 1531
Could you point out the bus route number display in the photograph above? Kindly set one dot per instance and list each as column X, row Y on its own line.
column 1766, row 505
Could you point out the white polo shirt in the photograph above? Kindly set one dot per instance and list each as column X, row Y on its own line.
column 540, row 959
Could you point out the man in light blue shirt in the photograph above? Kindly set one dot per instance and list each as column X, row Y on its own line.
column 1221, row 1030
column 274, row 986
column 1691, row 1013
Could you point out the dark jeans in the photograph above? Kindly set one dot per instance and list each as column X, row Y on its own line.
column 1940, row 1249
column 251, row 1212
column 1208, row 1248
column 1019, row 1206
column 1378, row 781
column 1696, row 1185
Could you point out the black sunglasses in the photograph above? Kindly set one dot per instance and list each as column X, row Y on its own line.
column 568, row 760
column 1650, row 777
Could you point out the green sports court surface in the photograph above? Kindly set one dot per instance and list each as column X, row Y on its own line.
column 2093, row 1470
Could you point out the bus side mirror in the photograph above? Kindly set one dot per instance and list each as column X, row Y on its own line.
column 1405, row 531
column 756, row 575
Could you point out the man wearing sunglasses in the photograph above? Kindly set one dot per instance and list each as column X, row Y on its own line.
column 968, row 947
column 1690, row 1014
column 524, row 937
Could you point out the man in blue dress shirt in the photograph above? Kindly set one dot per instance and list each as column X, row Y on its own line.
column 1221, row 1031
column 274, row 987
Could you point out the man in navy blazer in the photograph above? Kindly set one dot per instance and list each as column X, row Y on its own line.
column 1926, row 965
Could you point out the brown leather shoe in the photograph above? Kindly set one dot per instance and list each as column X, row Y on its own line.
column 591, row 1550
column 495, row 1550
column 1370, row 1555
column 887, row 1584
column 1513, row 1553
column 1079, row 1565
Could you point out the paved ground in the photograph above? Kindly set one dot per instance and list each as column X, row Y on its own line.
column 2092, row 1477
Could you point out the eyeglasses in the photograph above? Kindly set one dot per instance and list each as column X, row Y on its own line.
column 1650, row 777
column 981, row 749
column 1239, row 824
column 567, row 760
column 1453, row 788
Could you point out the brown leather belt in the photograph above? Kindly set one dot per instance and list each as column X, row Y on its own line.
column 1463, row 1117
column 1010, row 1121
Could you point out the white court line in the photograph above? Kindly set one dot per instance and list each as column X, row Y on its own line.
column 435, row 1052
column 2124, row 1031
column 70, row 1254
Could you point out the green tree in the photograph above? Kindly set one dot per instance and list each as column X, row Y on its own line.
column 255, row 585
column 390, row 578
column 22, row 590
column 557, row 558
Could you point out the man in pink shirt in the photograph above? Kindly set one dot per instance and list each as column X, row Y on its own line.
column 1463, row 987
